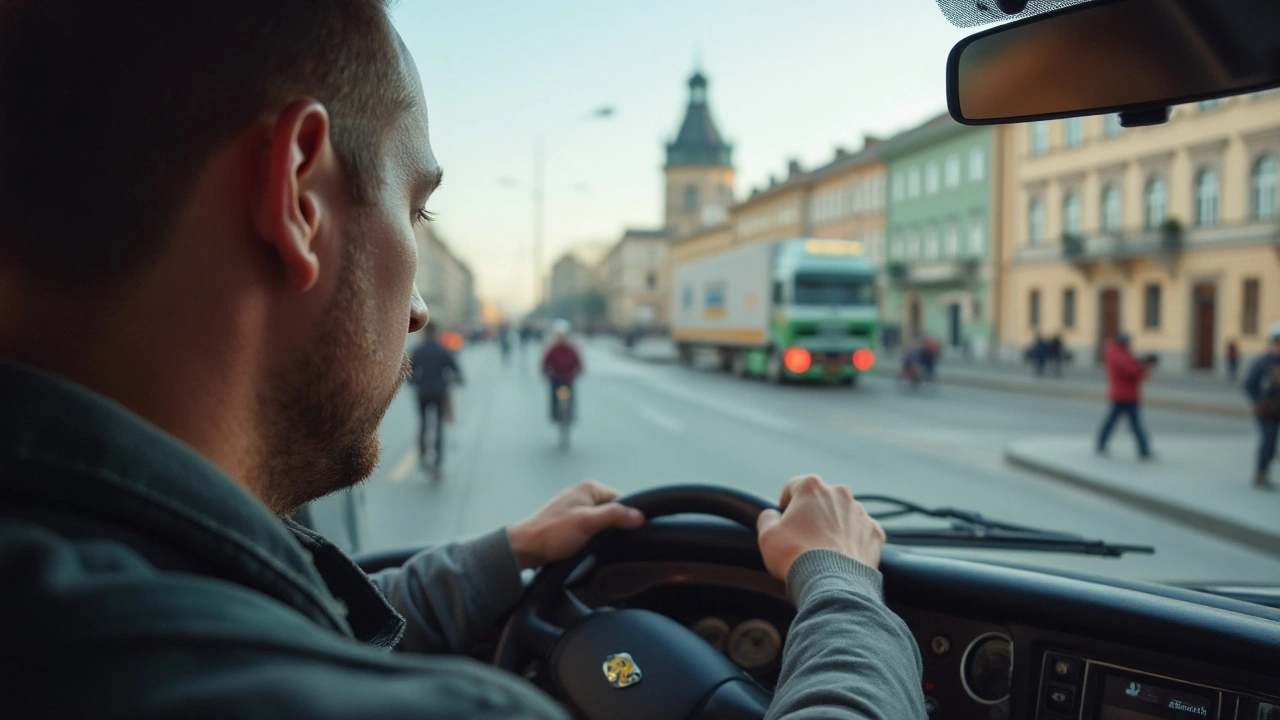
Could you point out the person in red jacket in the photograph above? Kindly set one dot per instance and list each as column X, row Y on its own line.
column 561, row 364
column 1125, row 375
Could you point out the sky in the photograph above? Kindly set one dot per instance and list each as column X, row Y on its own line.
column 788, row 79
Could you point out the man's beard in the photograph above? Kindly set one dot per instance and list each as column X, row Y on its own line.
column 322, row 410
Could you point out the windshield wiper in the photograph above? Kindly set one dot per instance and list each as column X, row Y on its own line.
column 972, row 530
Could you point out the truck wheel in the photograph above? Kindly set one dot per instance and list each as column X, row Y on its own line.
column 773, row 370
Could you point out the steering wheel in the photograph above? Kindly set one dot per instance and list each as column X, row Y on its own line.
column 633, row 664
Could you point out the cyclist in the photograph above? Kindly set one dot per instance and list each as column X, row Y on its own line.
column 561, row 364
column 433, row 369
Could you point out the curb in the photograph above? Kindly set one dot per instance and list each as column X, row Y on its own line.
column 1225, row 528
column 1077, row 393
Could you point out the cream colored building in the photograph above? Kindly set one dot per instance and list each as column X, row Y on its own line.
column 1170, row 233
column 445, row 283
column 633, row 278
column 847, row 199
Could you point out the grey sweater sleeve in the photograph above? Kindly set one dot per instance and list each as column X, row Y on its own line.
column 451, row 594
column 847, row 654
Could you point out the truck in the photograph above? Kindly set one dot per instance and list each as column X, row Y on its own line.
column 797, row 309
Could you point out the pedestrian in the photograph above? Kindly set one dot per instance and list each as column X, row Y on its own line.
column 1262, row 385
column 1125, row 375
column 433, row 369
column 1233, row 361
column 1055, row 354
column 1039, row 354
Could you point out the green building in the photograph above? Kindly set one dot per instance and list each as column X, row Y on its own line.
column 940, row 218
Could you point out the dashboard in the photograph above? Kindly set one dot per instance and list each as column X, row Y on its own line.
column 997, row 640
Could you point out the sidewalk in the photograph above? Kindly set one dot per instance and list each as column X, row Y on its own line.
column 1200, row 482
column 652, row 349
column 1207, row 394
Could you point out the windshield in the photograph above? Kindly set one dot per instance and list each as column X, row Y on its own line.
column 833, row 290
column 626, row 168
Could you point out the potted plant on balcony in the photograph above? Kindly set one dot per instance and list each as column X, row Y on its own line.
column 1072, row 245
column 897, row 270
column 1171, row 235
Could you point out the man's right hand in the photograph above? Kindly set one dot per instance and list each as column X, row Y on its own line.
column 817, row 516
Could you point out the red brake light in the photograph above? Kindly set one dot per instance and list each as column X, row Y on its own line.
column 797, row 360
column 864, row 360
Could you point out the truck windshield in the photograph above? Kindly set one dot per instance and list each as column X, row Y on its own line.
column 834, row 290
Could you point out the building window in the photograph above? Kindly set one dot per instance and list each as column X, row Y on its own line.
column 1039, row 137
column 651, row 281
column 977, row 164
column 899, row 186
column 931, row 178
column 913, row 182
column 1262, row 186
column 1111, row 209
column 1033, row 307
column 931, row 242
column 1069, row 308
column 1035, row 221
column 913, row 245
column 951, row 240
column 1207, row 105
column 977, row 235
column 1249, row 307
column 953, row 171
column 1151, row 307
column 1074, row 130
column 1071, row 216
column 1111, row 126
column 1207, row 197
column 690, row 198
column 1157, row 202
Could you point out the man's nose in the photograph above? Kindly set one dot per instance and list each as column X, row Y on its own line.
column 418, row 314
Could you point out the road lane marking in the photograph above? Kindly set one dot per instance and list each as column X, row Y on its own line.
column 659, row 418
column 738, row 411
column 405, row 466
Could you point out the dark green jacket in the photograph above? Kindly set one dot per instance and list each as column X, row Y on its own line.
column 138, row 581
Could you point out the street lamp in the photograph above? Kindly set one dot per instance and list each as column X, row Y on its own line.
column 539, row 196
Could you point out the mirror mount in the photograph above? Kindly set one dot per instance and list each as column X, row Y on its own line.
column 1141, row 117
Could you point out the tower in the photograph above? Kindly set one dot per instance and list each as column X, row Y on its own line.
column 699, row 170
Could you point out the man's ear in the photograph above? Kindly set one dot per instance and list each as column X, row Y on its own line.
column 292, row 203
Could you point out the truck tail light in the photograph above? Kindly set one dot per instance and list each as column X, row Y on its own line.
column 864, row 360
column 797, row 360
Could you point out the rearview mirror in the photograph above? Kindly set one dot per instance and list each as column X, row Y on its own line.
column 1136, row 57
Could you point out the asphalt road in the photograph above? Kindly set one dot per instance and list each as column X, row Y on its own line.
column 642, row 425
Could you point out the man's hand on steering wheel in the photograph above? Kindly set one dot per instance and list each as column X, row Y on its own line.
column 817, row 516
column 563, row 526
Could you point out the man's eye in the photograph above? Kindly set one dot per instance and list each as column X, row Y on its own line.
column 423, row 216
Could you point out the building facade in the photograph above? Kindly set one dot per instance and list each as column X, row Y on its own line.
column 942, row 198
column 572, row 294
column 1170, row 232
column 633, row 278
column 445, row 283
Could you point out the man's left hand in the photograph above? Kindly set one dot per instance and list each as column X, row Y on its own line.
column 564, row 525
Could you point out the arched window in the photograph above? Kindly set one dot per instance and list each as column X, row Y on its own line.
column 1157, row 201
column 1207, row 197
column 1071, row 220
column 1111, row 209
column 1035, row 221
column 1262, row 188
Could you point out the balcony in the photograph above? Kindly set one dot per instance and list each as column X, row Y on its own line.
column 1121, row 250
column 961, row 271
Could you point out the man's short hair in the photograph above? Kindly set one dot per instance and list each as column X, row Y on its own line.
column 109, row 109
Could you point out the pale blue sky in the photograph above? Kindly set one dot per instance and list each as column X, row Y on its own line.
column 789, row 78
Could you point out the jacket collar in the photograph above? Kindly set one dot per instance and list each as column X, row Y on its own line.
column 95, row 457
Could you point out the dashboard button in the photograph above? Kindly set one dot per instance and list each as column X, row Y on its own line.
column 1064, row 669
column 1060, row 699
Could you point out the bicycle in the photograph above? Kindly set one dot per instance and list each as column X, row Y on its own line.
column 564, row 413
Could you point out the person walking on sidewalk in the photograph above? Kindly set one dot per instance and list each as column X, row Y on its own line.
column 433, row 369
column 1125, row 375
column 1262, row 385
column 1233, row 361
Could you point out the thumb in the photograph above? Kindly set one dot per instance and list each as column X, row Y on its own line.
column 767, row 519
column 615, row 515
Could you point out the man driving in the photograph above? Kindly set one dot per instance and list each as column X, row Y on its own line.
column 212, row 341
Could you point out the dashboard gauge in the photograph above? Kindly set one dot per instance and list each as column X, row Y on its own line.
column 754, row 644
column 986, row 670
column 714, row 630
